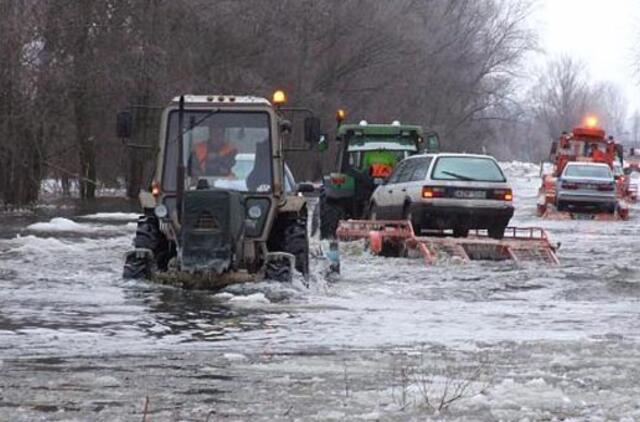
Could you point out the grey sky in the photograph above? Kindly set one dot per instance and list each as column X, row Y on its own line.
column 602, row 33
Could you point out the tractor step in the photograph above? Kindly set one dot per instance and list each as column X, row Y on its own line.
column 396, row 237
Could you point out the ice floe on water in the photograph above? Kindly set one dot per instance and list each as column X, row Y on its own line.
column 96, row 226
column 111, row 216
column 60, row 224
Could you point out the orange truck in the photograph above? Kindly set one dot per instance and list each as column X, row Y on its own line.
column 586, row 143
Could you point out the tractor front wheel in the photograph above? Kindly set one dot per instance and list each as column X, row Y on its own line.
column 289, row 235
column 148, row 236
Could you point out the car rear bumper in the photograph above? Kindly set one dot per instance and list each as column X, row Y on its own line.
column 585, row 198
column 434, row 216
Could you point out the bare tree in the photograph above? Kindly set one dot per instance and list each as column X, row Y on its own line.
column 562, row 95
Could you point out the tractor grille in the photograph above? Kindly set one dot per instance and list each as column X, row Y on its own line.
column 206, row 222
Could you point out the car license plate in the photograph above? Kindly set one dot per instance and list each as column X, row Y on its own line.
column 582, row 216
column 589, row 186
column 470, row 194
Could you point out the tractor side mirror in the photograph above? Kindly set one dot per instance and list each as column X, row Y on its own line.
column 433, row 142
column 124, row 124
column 312, row 130
column 285, row 126
column 305, row 187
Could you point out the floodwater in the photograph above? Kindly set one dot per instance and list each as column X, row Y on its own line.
column 389, row 340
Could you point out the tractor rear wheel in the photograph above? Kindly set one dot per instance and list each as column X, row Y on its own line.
column 289, row 235
column 330, row 214
column 148, row 236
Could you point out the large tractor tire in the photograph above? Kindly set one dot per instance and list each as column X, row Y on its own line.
column 148, row 236
column 330, row 215
column 289, row 235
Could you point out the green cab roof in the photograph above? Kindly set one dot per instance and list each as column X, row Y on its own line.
column 376, row 129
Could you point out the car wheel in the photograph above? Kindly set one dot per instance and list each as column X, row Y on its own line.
column 560, row 206
column 497, row 231
column 460, row 231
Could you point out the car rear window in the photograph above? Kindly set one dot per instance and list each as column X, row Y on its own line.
column 468, row 169
column 599, row 172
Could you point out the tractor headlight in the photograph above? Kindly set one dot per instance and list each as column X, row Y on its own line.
column 255, row 212
column 161, row 211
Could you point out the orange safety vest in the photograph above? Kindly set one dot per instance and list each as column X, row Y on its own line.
column 598, row 155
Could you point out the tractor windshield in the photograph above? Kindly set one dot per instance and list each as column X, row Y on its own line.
column 216, row 147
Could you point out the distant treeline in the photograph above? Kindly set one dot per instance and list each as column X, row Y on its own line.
column 67, row 67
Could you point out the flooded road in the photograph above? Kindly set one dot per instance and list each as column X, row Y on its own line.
column 390, row 340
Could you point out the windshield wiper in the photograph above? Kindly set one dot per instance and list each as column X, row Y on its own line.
column 459, row 176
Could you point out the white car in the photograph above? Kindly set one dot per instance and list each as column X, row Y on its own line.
column 455, row 192
column 583, row 184
column 241, row 170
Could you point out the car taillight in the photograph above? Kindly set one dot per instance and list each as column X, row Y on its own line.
column 503, row 194
column 569, row 185
column 432, row 192
column 606, row 187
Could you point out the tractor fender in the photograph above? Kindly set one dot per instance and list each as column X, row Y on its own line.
column 293, row 204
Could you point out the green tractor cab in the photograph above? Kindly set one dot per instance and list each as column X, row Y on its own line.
column 368, row 154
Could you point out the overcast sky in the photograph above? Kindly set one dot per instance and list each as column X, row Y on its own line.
column 600, row 32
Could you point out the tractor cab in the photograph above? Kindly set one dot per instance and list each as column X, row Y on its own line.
column 218, row 210
column 375, row 149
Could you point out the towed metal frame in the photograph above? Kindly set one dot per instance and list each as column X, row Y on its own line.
column 397, row 238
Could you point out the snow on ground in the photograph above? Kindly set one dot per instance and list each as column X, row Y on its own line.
column 382, row 342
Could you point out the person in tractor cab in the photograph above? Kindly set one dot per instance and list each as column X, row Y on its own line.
column 212, row 157
column 596, row 154
column 379, row 163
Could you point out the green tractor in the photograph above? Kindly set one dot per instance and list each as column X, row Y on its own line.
column 368, row 153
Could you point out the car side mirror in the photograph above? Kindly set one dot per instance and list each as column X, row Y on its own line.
column 305, row 187
column 312, row 130
column 124, row 124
